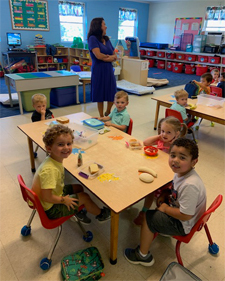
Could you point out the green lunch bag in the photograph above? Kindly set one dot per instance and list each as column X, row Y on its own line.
column 85, row 264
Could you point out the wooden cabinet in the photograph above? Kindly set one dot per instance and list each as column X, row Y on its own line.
column 60, row 61
column 80, row 57
column 166, row 55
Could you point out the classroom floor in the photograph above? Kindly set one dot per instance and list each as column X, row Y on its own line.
column 20, row 256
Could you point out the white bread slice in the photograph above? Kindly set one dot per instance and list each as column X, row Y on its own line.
column 93, row 168
column 62, row 120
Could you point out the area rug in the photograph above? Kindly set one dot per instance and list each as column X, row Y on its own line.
column 134, row 88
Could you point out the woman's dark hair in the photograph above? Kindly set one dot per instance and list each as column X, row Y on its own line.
column 96, row 29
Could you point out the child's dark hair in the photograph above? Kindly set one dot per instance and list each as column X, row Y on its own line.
column 223, row 75
column 52, row 133
column 208, row 77
column 190, row 145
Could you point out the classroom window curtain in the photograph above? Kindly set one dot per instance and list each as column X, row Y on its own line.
column 215, row 19
column 74, row 9
column 127, row 14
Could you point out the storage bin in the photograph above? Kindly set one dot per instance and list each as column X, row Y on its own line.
column 202, row 58
column 84, row 137
column 63, row 96
column 190, row 57
column 161, row 54
column 170, row 56
column 60, row 59
column 215, row 60
column 151, row 63
column 42, row 68
column 177, row 67
column 161, row 64
column 27, row 95
column 201, row 38
column 189, row 69
column 180, row 56
column 142, row 52
column 200, row 69
column 210, row 100
column 223, row 61
column 198, row 44
column 198, row 49
column 150, row 53
column 169, row 66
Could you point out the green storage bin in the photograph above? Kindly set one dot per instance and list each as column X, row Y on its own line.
column 27, row 95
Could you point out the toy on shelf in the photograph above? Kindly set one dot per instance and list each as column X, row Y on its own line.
column 39, row 41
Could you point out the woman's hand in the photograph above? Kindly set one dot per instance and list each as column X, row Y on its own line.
column 70, row 202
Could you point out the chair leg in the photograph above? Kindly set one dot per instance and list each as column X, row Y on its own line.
column 178, row 253
column 55, row 242
column 208, row 234
column 193, row 135
column 31, row 218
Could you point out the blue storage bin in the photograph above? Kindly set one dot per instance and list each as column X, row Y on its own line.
column 63, row 96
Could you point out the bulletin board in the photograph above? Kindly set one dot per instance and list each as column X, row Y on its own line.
column 29, row 14
column 186, row 25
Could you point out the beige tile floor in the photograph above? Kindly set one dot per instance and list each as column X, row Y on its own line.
column 20, row 257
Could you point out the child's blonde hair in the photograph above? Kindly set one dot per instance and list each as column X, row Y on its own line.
column 121, row 94
column 38, row 98
column 53, row 132
column 215, row 70
column 176, row 124
column 180, row 93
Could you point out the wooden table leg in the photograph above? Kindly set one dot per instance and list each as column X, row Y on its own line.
column 156, row 115
column 114, row 237
column 31, row 152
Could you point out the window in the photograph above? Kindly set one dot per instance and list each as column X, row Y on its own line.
column 215, row 19
column 127, row 23
column 71, row 17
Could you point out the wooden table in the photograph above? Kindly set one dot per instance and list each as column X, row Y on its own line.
column 40, row 80
column 117, row 159
column 206, row 112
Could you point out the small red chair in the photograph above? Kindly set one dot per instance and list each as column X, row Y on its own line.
column 34, row 203
column 177, row 114
column 213, row 248
column 130, row 127
column 216, row 91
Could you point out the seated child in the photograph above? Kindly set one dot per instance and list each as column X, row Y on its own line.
column 215, row 75
column 57, row 199
column 187, row 203
column 171, row 129
column 119, row 117
column 181, row 101
column 39, row 102
column 204, row 84
column 222, row 83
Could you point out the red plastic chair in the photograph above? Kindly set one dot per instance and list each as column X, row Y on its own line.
column 130, row 127
column 216, row 91
column 34, row 203
column 177, row 114
column 213, row 248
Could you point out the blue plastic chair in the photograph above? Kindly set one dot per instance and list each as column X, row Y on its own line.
column 75, row 68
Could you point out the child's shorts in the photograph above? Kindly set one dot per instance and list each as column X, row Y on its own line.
column 61, row 210
column 159, row 222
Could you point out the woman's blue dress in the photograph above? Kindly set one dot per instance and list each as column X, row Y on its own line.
column 103, row 82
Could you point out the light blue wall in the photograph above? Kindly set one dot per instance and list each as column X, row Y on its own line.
column 109, row 10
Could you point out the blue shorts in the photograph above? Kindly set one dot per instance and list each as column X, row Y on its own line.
column 159, row 222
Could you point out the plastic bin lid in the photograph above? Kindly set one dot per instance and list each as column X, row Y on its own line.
column 92, row 122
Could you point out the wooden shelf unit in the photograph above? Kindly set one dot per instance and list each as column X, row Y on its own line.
column 80, row 57
column 221, row 65
column 46, row 62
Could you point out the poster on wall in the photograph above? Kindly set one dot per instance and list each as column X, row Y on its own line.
column 184, row 26
column 29, row 14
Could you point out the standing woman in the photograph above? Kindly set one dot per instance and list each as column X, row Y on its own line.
column 103, row 82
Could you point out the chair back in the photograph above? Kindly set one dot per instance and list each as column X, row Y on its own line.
column 216, row 91
column 202, row 221
column 130, row 127
column 75, row 68
column 174, row 113
column 33, row 202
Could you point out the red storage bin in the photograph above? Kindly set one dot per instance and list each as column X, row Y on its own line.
column 142, row 52
column 215, row 60
column 150, row 53
column 190, row 57
column 151, row 63
column 161, row 54
column 169, row 66
column 180, row 56
column 177, row 67
column 202, row 58
column 200, row 69
column 161, row 64
column 189, row 69
column 170, row 56
column 223, row 60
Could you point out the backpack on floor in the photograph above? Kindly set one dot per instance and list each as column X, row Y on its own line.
column 192, row 89
column 85, row 265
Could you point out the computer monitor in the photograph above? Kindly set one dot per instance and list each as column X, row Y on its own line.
column 13, row 39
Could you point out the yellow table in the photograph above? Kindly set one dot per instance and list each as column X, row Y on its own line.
column 116, row 159
column 206, row 112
